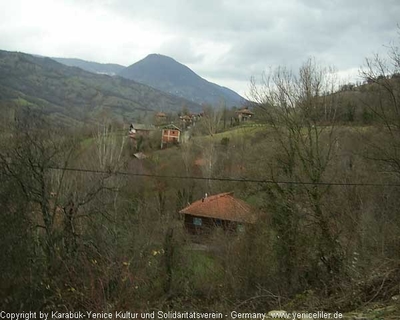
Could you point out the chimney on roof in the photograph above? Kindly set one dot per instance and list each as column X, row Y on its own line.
column 206, row 195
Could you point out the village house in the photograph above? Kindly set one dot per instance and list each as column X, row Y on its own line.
column 171, row 134
column 138, row 129
column 161, row 118
column 220, row 210
column 139, row 132
column 244, row 114
column 186, row 121
column 186, row 118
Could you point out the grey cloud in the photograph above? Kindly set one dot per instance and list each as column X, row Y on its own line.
column 181, row 49
column 270, row 33
column 257, row 33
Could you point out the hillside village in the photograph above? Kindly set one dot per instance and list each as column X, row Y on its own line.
column 116, row 195
column 179, row 129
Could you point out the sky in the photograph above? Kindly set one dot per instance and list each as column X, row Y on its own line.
column 224, row 41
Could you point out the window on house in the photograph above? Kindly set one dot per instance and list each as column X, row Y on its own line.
column 197, row 221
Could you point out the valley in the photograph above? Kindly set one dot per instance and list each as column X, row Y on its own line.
column 119, row 196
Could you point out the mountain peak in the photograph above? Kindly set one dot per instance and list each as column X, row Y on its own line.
column 159, row 56
column 168, row 75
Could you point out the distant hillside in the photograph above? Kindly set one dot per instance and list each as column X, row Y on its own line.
column 166, row 74
column 101, row 68
column 68, row 93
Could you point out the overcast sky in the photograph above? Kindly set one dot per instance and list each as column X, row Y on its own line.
column 226, row 42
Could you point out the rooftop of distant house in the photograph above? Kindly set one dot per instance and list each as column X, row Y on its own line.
column 185, row 117
column 143, row 127
column 245, row 111
column 222, row 206
column 171, row 126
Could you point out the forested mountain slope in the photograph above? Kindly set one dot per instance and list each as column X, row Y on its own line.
column 71, row 93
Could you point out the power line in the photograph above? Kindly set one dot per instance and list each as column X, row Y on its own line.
column 262, row 181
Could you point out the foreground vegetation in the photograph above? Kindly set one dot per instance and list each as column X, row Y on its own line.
column 81, row 228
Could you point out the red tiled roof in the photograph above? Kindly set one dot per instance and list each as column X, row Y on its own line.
column 221, row 206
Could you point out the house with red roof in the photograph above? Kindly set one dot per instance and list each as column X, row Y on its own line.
column 220, row 210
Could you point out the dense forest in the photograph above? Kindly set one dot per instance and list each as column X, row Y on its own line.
column 86, row 226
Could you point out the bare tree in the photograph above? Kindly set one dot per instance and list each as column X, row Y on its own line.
column 109, row 146
column 38, row 157
column 382, row 149
column 303, row 121
column 28, row 158
column 211, row 120
column 384, row 102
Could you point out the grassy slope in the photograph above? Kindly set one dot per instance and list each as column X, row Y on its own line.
column 235, row 132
